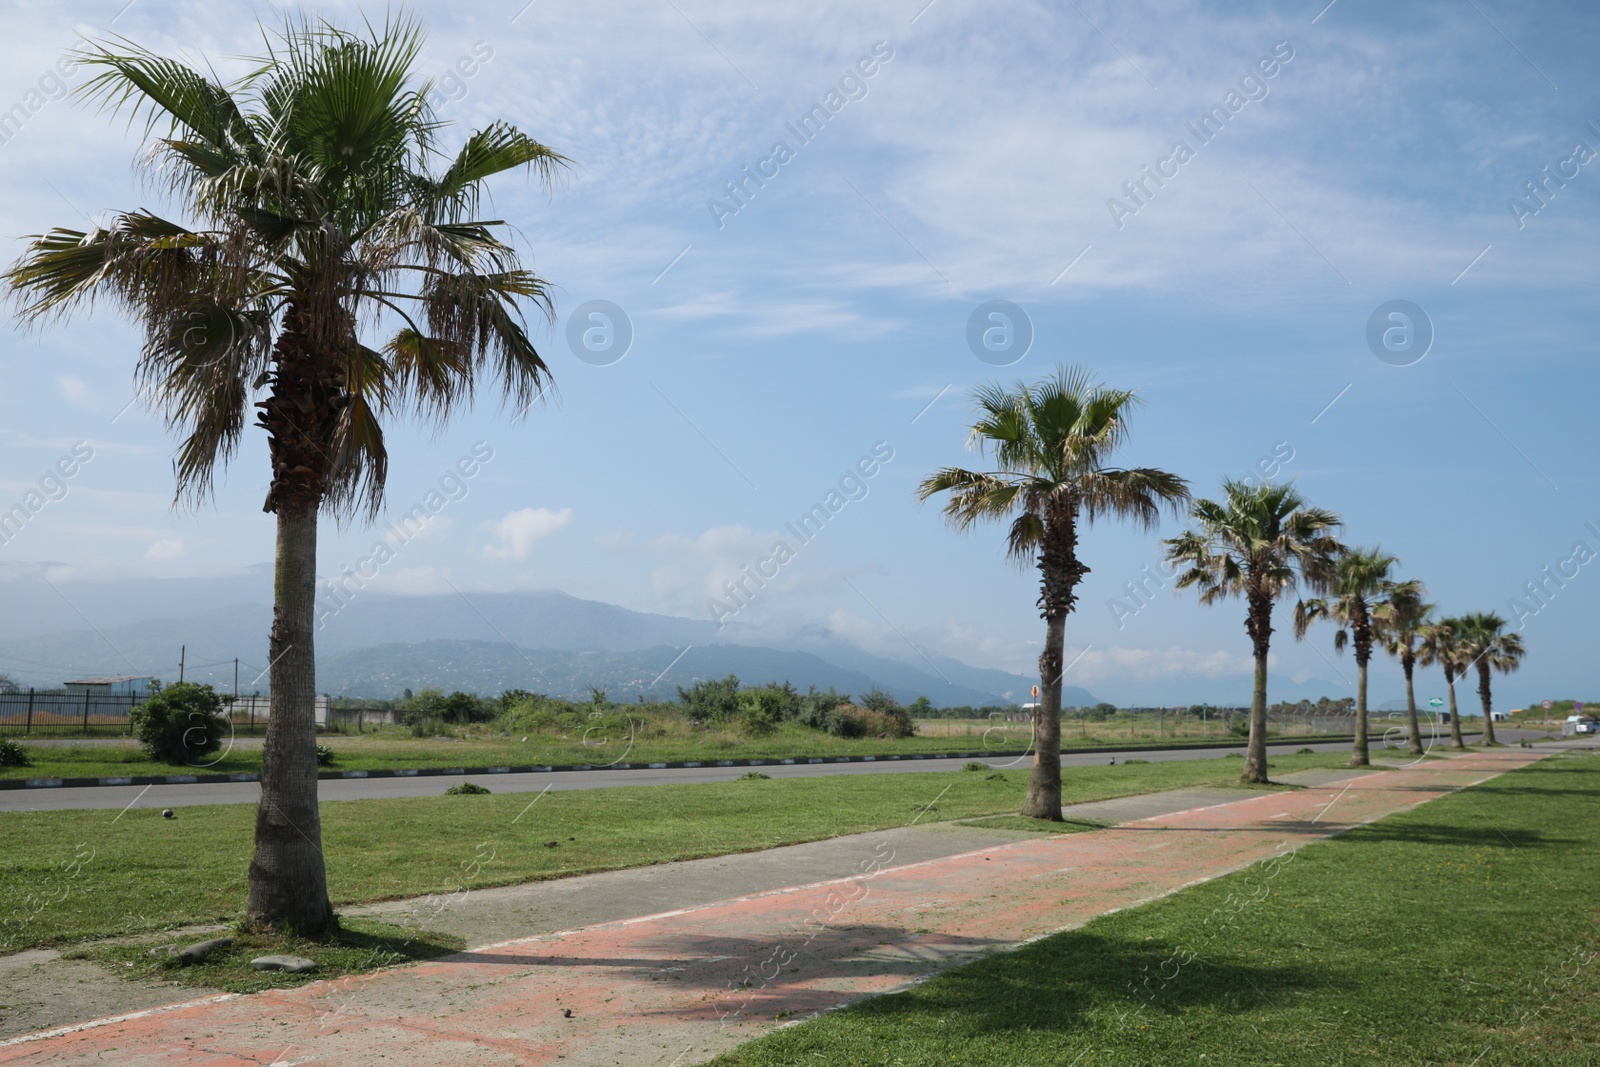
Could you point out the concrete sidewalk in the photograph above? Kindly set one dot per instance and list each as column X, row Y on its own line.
column 680, row 985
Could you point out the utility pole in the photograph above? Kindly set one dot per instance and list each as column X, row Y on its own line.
column 183, row 651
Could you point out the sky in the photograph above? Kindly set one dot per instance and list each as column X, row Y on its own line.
column 748, row 352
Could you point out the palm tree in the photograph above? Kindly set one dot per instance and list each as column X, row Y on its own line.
column 1051, row 442
column 322, row 208
column 1259, row 543
column 1359, row 585
column 1485, row 646
column 1399, row 621
column 1441, row 643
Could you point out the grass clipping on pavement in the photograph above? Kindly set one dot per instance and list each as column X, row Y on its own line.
column 357, row 947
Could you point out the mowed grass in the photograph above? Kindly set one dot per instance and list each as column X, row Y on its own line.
column 672, row 741
column 1465, row 932
column 68, row 876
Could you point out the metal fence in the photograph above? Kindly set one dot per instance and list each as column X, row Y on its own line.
column 56, row 711
column 59, row 713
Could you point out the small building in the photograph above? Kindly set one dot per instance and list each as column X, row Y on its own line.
column 136, row 686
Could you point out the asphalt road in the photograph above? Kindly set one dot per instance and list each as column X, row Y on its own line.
column 174, row 796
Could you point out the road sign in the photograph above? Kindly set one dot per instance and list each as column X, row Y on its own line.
column 1577, row 705
column 1035, row 692
column 1435, row 703
column 1545, row 705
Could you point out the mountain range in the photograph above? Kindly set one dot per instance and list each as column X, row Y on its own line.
column 374, row 646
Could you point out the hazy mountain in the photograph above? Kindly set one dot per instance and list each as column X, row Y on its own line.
column 378, row 646
column 492, row 667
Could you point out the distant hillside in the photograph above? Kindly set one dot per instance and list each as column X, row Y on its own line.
column 492, row 667
column 483, row 642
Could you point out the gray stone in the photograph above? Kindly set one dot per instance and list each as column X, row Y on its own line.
column 198, row 952
column 292, row 964
column 163, row 950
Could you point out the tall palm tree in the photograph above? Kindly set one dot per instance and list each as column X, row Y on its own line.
column 1399, row 621
column 321, row 208
column 1441, row 643
column 1359, row 585
column 1051, row 443
column 1486, row 646
column 1259, row 542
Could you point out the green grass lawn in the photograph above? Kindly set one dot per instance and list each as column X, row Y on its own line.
column 1464, row 933
column 68, row 876
column 393, row 749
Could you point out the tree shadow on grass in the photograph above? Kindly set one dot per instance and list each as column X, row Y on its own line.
column 1418, row 833
column 1085, row 981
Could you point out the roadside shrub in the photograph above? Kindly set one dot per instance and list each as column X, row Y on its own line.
column 845, row 722
column 781, row 700
column 324, row 756
column 14, row 755
column 1304, row 752
column 900, row 723
column 713, row 701
column 1126, row 762
column 974, row 765
column 1239, row 726
column 815, row 707
column 753, row 776
column 181, row 723
column 886, row 724
column 465, row 789
column 456, row 708
column 758, row 714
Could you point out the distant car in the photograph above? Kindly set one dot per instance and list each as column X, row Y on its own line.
column 1587, row 726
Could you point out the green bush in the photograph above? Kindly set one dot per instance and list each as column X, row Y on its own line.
column 456, row 708
column 753, row 776
column 181, row 723
column 14, row 755
column 759, row 713
column 713, row 701
column 324, row 756
column 974, row 765
column 1239, row 726
column 465, row 789
column 845, row 722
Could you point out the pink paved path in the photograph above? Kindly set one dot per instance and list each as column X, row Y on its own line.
column 676, row 988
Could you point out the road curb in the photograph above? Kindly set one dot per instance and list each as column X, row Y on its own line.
column 536, row 768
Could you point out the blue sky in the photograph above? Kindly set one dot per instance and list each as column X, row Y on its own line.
column 830, row 312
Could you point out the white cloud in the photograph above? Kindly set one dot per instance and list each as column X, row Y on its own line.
column 516, row 534
column 75, row 389
column 167, row 548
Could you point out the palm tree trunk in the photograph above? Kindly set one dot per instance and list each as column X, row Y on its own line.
column 1409, row 665
column 288, row 881
column 1455, row 716
column 1259, row 625
column 1483, row 695
column 1255, row 757
column 1359, row 756
column 1044, row 785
